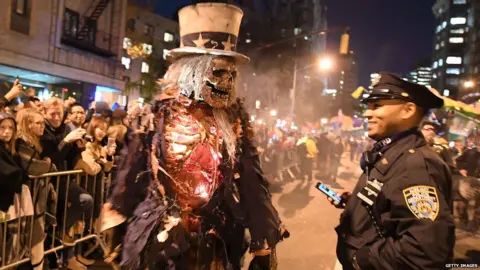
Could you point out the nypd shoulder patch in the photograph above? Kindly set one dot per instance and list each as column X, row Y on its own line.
column 422, row 201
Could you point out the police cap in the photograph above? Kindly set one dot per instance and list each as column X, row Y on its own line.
column 390, row 86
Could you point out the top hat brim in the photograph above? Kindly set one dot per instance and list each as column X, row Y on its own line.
column 179, row 52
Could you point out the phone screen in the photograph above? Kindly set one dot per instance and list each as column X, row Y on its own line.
column 330, row 193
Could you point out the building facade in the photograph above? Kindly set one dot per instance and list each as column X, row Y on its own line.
column 277, row 35
column 64, row 48
column 450, row 46
column 470, row 92
column 422, row 76
column 148, row 37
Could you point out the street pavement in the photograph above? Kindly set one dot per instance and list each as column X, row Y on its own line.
column 311, row 220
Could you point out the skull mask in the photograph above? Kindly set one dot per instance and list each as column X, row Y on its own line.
column 219, row 89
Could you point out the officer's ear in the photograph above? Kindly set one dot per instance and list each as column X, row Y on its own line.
column 409, row 111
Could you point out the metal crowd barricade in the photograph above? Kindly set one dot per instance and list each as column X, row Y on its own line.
column 21, row 236
column 281, row 163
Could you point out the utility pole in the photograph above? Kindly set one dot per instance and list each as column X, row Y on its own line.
column 294, row 88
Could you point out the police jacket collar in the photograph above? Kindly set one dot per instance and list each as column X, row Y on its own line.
column 397, row 148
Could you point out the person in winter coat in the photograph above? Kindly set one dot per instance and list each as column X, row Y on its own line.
column 64, row 148
column 11, row 172
column 17, row 197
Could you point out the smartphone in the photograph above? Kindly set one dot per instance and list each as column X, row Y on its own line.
column 330, row 193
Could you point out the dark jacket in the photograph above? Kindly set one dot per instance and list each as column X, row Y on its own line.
column 63, row 155
column 11, row 177
column 262, row 218
column 470, row 161
column 412, row 175
column 11, row 173
column 31, row 161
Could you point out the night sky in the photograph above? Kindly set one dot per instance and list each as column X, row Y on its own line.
column 386, row 35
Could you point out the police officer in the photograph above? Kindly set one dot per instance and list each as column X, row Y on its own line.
column 399, row 214
column 429, row 130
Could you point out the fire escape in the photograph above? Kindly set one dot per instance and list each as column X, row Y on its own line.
column 87, row 37
column 90, row 22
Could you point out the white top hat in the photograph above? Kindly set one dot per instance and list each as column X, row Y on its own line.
column 209, row 28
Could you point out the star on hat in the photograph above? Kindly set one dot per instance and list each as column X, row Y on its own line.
column 227, row 45
column 200, row 42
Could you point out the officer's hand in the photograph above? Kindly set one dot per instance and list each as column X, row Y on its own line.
column 344, row 195
column 463, row 172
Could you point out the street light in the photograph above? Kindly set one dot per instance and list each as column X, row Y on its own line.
column 324, row 121
column 469, row 84
column 273, row 113
column 325, row 64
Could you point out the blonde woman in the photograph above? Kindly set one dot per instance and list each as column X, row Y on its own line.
column 31, row 126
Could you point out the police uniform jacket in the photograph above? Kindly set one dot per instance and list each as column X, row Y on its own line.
column 411, row 208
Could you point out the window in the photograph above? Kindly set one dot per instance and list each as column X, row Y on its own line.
column 444, row 24
column 131, row 24
column 458, row 20
column 442, row 43
column 168, row 37
column 452, row 81
column 165, row 53
column 91, row 30
column 437, row 46
column 446, row 92
column 440, row 62
column 455, row 40
column 457, row 31
column 434, row 75
column 20, row 16
column 127, row 43
column 248, row 40
column 459, row 2
column 147, row 48
column 455, row 71
column 21, row 7
column 70, row 25
column 122, row 100
column 435, row 64
column 297, row 31
column 145, row 67
column 439, row 29
column 455, row 60
column 148, row 31
column 126, row 62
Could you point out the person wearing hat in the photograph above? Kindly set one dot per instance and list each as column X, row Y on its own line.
column 429, row 130
column 179, row 173
column 399, row 214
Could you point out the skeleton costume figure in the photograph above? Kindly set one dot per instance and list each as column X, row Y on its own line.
column 176, row 186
